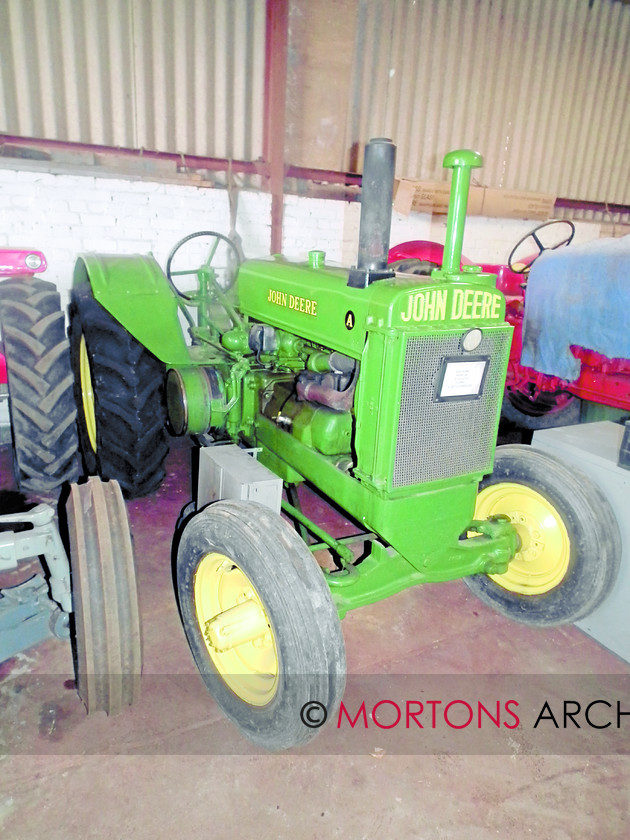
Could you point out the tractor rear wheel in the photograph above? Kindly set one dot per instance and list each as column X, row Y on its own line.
column 570, row 542
column 41, row 399
column 120, row 398
column 260, row 623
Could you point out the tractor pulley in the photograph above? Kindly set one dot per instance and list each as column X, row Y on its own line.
column 195, row 399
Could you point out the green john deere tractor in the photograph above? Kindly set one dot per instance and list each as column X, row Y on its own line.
column 380, row 390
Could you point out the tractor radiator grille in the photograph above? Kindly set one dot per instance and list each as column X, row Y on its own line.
column 437, row 440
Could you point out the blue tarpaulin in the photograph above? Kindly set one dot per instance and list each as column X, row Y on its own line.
column 577, row 295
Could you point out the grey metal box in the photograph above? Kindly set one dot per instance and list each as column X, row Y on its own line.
column 229, row 472
column 594, row 449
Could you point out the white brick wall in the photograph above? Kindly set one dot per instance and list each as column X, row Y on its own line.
column 63, row 215
column 485, row 240
column 313, row 224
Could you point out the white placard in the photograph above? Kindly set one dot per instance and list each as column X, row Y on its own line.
column 463, row 379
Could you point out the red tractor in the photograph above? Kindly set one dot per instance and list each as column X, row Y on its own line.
column 536, row 399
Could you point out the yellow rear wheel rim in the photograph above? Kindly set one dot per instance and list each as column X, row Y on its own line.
column 236, row 630
column 543, row 559
column 87, row 393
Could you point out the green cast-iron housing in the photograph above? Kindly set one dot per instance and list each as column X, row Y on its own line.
column 385, row 398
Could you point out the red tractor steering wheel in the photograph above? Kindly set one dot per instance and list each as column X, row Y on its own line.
column 550, row 244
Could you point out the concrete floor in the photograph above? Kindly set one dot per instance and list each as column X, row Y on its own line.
column 172, row 766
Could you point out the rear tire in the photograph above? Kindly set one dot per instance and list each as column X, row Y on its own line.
column 120, row 399
column 240, row 555
column 571, row 545
column 41, row 399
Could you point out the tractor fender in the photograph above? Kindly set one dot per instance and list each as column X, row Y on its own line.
column 420, row 249
column 134, row 290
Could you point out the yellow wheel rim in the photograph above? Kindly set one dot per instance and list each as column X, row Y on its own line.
column 543, row 559
column 87, row 393
column 236, row 629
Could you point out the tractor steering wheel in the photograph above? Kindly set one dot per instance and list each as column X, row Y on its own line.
column 221, row 249
column 520, row 267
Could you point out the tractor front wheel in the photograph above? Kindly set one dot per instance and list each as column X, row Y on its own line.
column 570, row 543
column 260, row 622
column 107, row 640
column 120, row 399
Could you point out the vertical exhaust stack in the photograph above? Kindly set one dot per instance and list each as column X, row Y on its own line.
column 376, row 213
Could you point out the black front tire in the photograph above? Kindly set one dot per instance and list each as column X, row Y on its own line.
column 41, row 399
column 571, row 545
column 298, row 656
column 108, row 651
column 120, row 399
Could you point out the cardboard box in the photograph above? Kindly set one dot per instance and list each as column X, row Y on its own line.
column 611, row 229
column 137, row 164
column 433, row 196
column 516, row 204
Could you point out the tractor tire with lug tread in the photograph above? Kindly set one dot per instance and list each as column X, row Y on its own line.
column 107, row 643
column 242, row 569
column 570, row 541
column 41, row 399
column 542, row 413
column 120, row 398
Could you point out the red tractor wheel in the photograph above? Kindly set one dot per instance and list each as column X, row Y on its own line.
column 541, row 410
column 41, row 399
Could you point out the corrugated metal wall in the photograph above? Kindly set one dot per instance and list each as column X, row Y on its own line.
column 169, row 75
column 540, row 87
